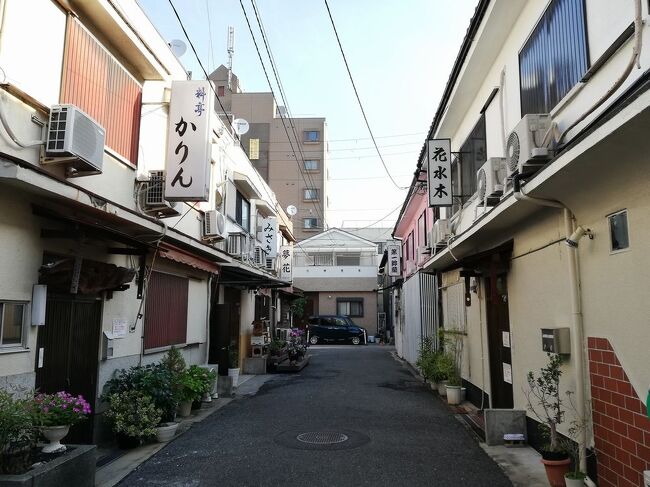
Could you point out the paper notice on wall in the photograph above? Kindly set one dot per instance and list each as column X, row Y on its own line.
column 120, row 328
column 506, row 338
column 507, row 373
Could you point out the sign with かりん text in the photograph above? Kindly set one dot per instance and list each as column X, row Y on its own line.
column 439, row 172
column 188, row 155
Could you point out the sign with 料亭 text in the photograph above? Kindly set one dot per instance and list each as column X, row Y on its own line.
column 188, row 154
column 269, row 236
column 439, row 172
column 394, row 268
column 286, row 262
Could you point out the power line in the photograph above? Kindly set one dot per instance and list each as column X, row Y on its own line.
column 366, row 178
column 383, row 218
column 363, row 112
column 420, row 134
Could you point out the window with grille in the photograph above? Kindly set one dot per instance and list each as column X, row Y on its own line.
column 554, row 58
column 310, row 194
column 348, row 259
column 322, row 258
column 12, row 321
column 352, row 307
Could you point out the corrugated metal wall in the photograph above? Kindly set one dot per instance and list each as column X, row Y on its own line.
column 165, row 319
column 420, row 304
column 94, row 81
column 554, row 58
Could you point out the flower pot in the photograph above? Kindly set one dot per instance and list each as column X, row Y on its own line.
column 126, row 442
column 54, row 434
column 165, row 431
column 185, row 409
column 234, row 373
column 434, row 386
column 454, row 394
column 555, row 470
column 574, row 482
column 442, row 387
column 207, row 397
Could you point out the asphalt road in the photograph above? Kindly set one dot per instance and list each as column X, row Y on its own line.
column 397, row 433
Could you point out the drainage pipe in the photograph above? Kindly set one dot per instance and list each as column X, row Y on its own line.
column 577, row 341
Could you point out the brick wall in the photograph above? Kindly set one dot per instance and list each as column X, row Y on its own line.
column 621, row 424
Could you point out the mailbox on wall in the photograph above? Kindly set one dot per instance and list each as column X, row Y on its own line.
column 556, row 340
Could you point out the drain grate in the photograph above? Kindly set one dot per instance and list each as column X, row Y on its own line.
column 322, row 438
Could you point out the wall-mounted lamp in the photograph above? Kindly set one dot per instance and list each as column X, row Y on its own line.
column 39, row 298
column 575, row 237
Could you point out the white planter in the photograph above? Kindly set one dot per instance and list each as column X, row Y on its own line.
column 442, row 387
column 54, row 434
column 185, row 409
column 207, row 397
column 434, row 386
column 454, row 394
column 574, row 482
column 166, row 431
column 234, row 373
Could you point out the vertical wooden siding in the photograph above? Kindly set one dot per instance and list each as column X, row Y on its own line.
column 165, row 319
column 95, row 82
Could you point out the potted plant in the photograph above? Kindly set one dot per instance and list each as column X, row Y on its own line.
column 426, row 362
column 544, row 402
column 191, row 389
column 579, row 424
column 17, row 433
column 133, row 417
column 443, row 367
column 233, row 364
column 55, row 413
column 203, row 377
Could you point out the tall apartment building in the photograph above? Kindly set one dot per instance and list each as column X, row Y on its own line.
column 299, row 180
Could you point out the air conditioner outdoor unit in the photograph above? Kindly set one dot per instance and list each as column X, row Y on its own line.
column 523, row 152
column 75, row 139
column 270, row 264
column 214, row 225
column 238, row 246
column 260, row 256
column 423, row 253
column 440, row 232
column 489, row 180
column 154, row 197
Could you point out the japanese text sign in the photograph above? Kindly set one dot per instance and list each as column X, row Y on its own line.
column 269, row 236
column 286, row 262
column 439, row 172
column 188, row 141
column 394, row 269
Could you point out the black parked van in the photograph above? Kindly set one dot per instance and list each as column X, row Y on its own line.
column 333, row 328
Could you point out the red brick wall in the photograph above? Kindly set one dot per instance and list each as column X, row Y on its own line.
column 621, row 424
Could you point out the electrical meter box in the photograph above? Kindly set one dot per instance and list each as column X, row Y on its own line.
column 556, row 340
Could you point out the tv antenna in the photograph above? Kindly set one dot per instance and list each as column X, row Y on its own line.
column 231, row 51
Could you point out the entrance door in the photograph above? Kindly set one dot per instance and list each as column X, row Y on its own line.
column 68, row 353
column 498, row 322
column 224, row 329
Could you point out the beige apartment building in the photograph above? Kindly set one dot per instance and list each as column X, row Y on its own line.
column 289, row 153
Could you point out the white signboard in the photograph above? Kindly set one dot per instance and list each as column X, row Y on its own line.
column 505, row 336
column 188, row 141
column 507, row 373
column 120, row 327
column 394, row 268
column 269, row 236
column 286, row 262
column 439, row 172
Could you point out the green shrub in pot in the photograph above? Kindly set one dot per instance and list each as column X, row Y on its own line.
column 133, row 414
column 17, row 433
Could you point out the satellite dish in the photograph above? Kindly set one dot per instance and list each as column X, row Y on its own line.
column 291, row 210
column 178, row 47
column 241, row 126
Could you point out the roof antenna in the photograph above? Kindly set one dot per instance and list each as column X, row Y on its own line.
column 231, row 51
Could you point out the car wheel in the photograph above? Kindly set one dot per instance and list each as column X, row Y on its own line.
column 313, row 340
column 356, row 340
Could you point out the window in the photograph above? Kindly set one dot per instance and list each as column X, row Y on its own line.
column 422, row 229
column 12, row 318
column 221, row 90
column 473, row 154
column 310, row 194
column 310, row 223
column 618, row 233
column 254, row 149
column 323, row 258
column 554, row 58
column 311, row 136
column 348, row 259
column 97, row 83
column 352, row 307
column 243, row 212
column 311, row 164
column 411, row 247
column 165, row 319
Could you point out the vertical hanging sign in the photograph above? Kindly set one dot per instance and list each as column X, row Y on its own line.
column 269, row 236
column 188, row 142
column 439, row 172
column 394, row 268
column 286, row 262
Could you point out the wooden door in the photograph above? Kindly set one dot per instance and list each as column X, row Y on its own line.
column 224, row 329
column 68, row 353
column 498, row 322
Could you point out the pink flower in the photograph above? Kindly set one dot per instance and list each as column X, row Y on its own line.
column 46, row 409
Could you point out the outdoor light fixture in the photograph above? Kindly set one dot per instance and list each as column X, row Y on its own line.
column 575, row 237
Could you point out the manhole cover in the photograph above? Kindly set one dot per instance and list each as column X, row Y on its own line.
column 322, row 438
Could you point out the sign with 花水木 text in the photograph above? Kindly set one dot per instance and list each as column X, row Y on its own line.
column 439, row 172
column 188, row 153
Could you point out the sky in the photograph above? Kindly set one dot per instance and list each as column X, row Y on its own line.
column 400, row 54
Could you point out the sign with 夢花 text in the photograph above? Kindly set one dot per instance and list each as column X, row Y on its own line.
column 188, row 154
column 286, row 262
column 439, row 172
column 394, row 268
column 269, row 236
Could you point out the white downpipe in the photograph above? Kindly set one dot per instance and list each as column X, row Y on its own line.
column 10, row 132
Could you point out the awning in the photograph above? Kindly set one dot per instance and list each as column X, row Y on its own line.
column 264, row 208
column 245, row 185
column 84, row 276
column 241, row 275
column 168, row 251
